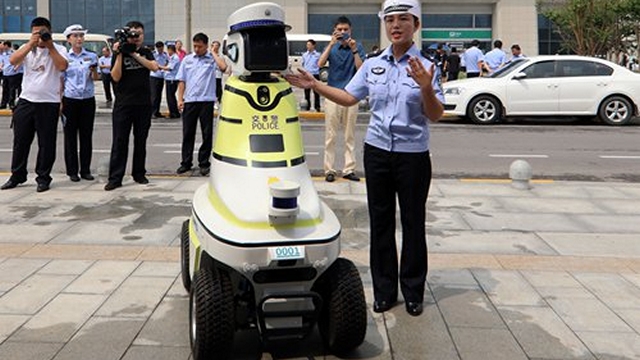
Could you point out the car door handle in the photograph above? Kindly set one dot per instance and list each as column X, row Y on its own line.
column 552, row 86
column 603, row 84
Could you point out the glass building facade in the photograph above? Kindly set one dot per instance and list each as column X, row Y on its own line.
column 99, row 16
column 17, row 15
column 103, row 17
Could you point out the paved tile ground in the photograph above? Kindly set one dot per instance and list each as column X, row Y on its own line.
column 547, row 273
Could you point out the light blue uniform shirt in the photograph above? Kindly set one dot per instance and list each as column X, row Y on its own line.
column 310, row 62
column 199, row 76
column 7, row 68
column 78, row 83
column 105, row 60
column 471, row 58
column 495, row 58
column 174, row 66
column 398, row 122
column 162, row 59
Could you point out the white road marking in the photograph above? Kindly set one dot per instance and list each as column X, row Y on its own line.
column 529, row 156
column 618, row 157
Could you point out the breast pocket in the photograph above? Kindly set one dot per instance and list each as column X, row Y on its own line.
column 411, row 92
column 378, row 87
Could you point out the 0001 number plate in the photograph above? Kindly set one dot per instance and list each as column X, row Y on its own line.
column 286, row 252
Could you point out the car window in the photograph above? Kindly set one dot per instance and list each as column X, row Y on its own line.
column 542, row 69
column 508, row 68
column 583, row 68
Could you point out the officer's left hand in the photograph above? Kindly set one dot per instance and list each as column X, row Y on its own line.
column 302, row 80
column 419, row 74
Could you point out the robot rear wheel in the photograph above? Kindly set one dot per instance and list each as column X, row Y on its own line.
column 184, row 255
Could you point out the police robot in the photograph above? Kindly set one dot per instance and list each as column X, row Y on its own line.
column 260, row 250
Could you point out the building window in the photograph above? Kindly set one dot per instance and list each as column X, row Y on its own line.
column 456, row 30
column 365, row 28
column 549, row 41
column 447, row 20
column 17, row 15
column 103, row 17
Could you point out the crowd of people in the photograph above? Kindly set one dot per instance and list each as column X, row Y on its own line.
column 44, row 83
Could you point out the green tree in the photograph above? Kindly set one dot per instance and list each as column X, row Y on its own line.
column 587, row 27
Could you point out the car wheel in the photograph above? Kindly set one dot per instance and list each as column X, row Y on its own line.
column 184, row 255
column 615, row 110
column 343, row 320
column 211, row 315
column 485, row 110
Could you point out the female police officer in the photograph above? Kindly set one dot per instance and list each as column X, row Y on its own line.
column 404, row 95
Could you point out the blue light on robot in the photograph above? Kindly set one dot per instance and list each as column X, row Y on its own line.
column 284, row 203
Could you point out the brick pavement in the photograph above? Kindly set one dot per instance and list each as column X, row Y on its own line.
column 549, row 273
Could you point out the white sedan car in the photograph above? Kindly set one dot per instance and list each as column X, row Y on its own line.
column 559, row 85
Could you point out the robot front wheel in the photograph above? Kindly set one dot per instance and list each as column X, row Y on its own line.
column 343, row 319
column 211, row 315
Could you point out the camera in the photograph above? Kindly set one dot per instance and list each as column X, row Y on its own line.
column 122, row 37
column 344, row 37
column 45, row 35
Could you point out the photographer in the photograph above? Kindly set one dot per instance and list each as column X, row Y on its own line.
column 130, row 71
column 39, row 104
column 345, row 56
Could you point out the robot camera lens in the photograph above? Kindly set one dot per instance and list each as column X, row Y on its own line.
column 263, row 95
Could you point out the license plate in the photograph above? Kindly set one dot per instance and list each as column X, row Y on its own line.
column 287, row 252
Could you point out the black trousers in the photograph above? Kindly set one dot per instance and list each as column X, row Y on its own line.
column 191, row 113
column 156, row 93
column 172, row 103
column 316, row 97
column 14, row 87
column 80, row 116
column 5, row 92
column 219, row 89
column 124, row 118
column 28, row 120
column 407, row 176
column 106, row 83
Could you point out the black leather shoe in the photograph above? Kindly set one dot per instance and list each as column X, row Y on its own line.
column 42, row 187
column 87, row 177
column 204, row 171
column 141, row 180
column 351, row 176
column 110, row 186
column 382, row 306
column 10, row 184
column 414, row 308
column 331, row 177
column 74, row 178
column 183, row 169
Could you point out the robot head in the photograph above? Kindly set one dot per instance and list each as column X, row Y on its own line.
column 256, row 41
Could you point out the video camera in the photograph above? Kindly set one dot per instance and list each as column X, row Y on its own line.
column 122, row 37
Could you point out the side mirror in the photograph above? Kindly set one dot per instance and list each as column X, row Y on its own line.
column 519, row 76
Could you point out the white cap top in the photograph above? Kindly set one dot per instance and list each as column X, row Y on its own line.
column 262, row 14
column 74, row 29
column 392, row 7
